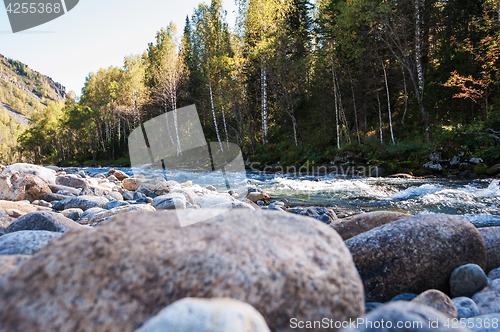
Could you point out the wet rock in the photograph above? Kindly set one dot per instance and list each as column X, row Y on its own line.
column 131, row 183
column 19, row 187
column 437, row 300
column 71, row 180
column 207, row 315
column 414, row 254
column 43, row 173
column 25, row 242
column 120, row 175
column 466, row 308
column 81, row 202
column 467, row 280
column 491, row 237
column 9, row 262
column 363, row 222
column 43, row 221
column 404, row 316
column 322, row 214
column 287, row 267
column 487, row 300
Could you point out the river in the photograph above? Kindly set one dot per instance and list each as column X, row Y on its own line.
column 478, row 200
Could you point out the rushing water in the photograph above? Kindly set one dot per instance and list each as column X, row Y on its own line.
column 477, row 200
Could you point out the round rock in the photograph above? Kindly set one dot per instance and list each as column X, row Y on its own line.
column 43, row 173
column 467, row 280
column 437, row 300
column 43, row 221
column 466, row 308
column 25, row 242
column 363, row 222
column 125, row 271
column 207, row 315
column 414, row 254
column 491, row 236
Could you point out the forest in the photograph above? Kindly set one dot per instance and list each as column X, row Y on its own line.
column 298, row 82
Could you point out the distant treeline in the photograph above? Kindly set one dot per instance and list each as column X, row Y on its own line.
column 293, row 81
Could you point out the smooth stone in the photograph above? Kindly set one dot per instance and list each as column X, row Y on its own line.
column 43, row 173
column 467, row 280
column 73, row 214
column 363, row 222
column 131, row 183
column 437, row 300
column 89, row 214
column 170, row 201
column 43, row 221
column 120, row 175
column 404, row 297
column 233, row 205
column 128, row 195
column 154, row 187
column 122, row 273
column 258, row 196
column 20, row 187
column 190, row 195
column 25, row 242
column 56, row 188
column 466, row 308
column 114, row 196
column 22, row 207
column 71, row 181
column 54, row 197
column 273, row 207
column 5, row 221
column 81, row 202
column 42, row 203
column 491, row 237
column 416, row 317
column 119, row 210
column 9, row 263
column 211, row 188
column 322, row 214
column 93, row 191
column 112, row 204
column 207, row 315
column 414, row 254
column 488, row 300
column 494, row 274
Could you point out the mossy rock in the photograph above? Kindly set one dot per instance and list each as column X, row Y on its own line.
column 480, row 169
column 493, row 170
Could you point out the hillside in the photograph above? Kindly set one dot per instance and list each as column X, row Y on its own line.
column 24, row 92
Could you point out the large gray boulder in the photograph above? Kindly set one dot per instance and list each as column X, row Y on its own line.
column 43, row 221
column 125, row 271
column 207, row 315
column 414, row 254
column 43, row 173
column 19, row 187
column 491, row 237
column 25, row 242
column 363, row 222
column 488, row 300
column 81, row 202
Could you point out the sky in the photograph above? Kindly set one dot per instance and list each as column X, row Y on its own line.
column 95, row 34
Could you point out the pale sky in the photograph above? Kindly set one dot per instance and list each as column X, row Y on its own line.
column 95, row 34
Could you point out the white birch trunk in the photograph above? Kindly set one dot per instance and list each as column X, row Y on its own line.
column 263, row 79
column 388, row 103
column 213, row 113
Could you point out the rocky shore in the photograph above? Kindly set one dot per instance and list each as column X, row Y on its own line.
column 106, row 252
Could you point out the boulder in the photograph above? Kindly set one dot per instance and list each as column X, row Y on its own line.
column 363, row 222
column 81, row 202
column 207, row 315
column 93, row 191
column 42, row 221
column 73, row 214
column 131, row 183
column 414, row 254
column 403, row 316
column 491, row 237
column 9, row 262
column 71, row 180
column 120, row 274
column 466, row 308
column 114, row 196
column 190, row 195
column 25, row 242
column 487, row 300
column 20, row 187
column 467, row 280
column 437, row 300
column 322, row 214
column 22, row 207
column 154, row 187
column 43, row 173
column 57, row 188
column 170, row 201
column 493, row 170
column 112, row 204
column 120, row 175
column 120, row 210
column 257, row 196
